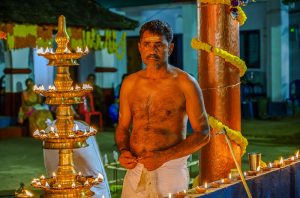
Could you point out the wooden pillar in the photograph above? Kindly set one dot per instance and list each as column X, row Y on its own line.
column 219, row 81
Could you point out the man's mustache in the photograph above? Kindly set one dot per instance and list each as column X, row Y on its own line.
column 153, row 56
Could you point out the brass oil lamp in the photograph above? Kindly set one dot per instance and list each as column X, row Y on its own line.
column 66, row 182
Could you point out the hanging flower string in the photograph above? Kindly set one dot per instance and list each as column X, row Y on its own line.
column 234, row 60
column 241, row 16
column 233, row 135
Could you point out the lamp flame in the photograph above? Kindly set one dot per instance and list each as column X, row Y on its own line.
column 281, row 161
column 258, row 169
column 293, row 158
column 100, row 176
column 270, row 165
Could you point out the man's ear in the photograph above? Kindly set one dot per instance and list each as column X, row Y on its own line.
column 171, row 47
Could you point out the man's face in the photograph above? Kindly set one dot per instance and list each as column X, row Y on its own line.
column 154, row 49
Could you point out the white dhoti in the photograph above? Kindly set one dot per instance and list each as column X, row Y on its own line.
column 171, row 177
column 86, row 160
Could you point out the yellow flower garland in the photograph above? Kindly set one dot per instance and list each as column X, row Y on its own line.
column 233, row 135
column 93, row 40
column 234, row 60
column 122, row 45
column 241, row 15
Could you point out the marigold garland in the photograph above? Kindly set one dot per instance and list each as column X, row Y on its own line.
column 241, row 15
column 234, row 60
column 233, row 135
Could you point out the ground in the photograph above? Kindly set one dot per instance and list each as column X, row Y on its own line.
column 22, row 158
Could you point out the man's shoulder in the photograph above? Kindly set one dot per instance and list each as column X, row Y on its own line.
column 182, row 75
column 131, row 79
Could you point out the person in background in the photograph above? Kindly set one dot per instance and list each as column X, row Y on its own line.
column 97, row 93
column 155, row 104
column 33, row 109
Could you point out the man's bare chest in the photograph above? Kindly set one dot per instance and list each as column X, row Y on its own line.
column 156, row 100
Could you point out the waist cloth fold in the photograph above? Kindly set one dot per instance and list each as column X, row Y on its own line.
column 171, row 177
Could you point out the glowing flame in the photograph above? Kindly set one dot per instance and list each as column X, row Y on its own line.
column 73, row 185
column 42, row 177
column 184, row 191
column 52, row 129
column 293, row 158
column 59, row 186
column 297, row 154
column 222, row 181
column 77, row 87
column 35, row 87
column 86, row 50
column 205, row 185
column 170, row 195
column 245, row 174
column 28, row 193
column 100, row 176
column 270, row 165
column 229, row 176
column 79, row 173
column 53, row 174
column 76, row 127
column 281, row 161
column 258, row 169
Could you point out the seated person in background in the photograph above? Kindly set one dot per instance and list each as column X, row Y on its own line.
column 97, row 93
column 33, row 109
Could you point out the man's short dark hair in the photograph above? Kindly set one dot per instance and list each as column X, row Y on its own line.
column 158, row 27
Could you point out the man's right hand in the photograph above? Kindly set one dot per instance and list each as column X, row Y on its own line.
column 127, row 160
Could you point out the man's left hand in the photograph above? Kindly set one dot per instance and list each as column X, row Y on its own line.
column 152, row 160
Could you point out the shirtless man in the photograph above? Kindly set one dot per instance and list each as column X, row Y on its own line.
column 155, row 104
